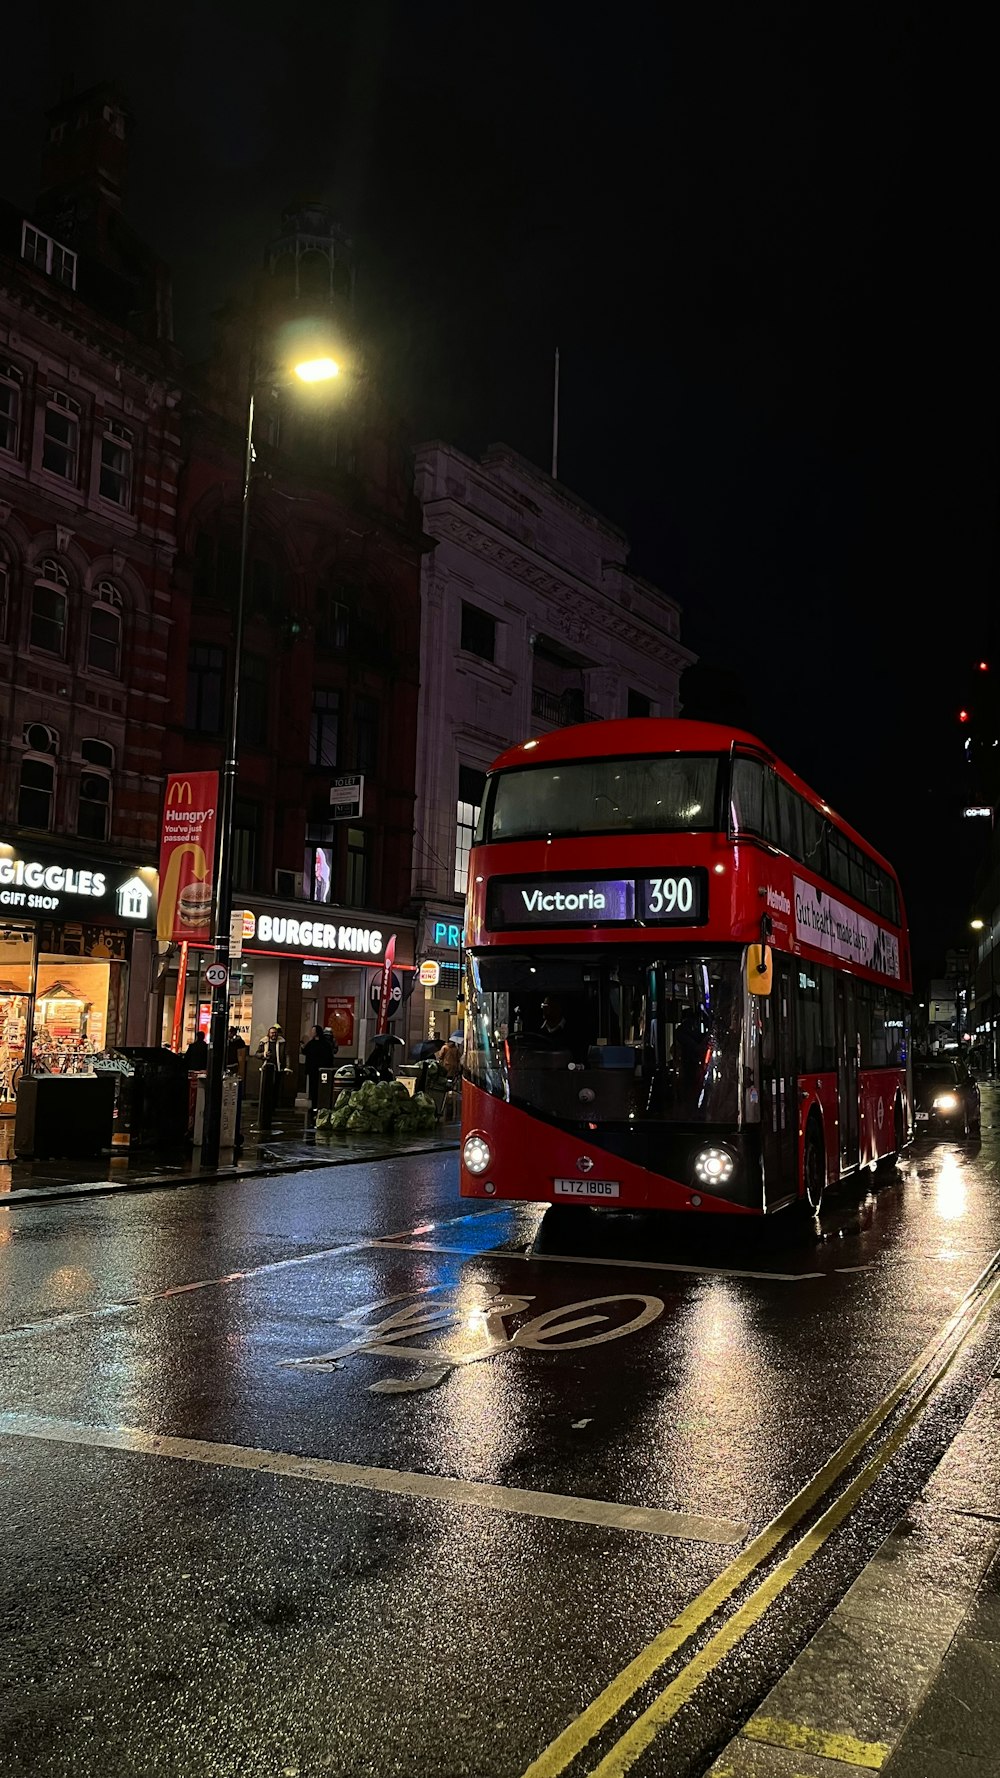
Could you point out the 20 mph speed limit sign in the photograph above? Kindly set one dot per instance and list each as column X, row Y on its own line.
column 217, row 975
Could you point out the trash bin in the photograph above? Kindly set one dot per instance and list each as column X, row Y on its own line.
column 69, row 1115
column 153, row 1098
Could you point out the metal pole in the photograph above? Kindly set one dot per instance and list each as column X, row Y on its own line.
column 219, row 1031
column 178, row 1027
column 993, row 1000
column 555, row 422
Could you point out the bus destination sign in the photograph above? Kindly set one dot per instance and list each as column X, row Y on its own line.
column 668, row 897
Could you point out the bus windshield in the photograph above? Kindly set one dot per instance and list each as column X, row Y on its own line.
column 615, row 1039
column 674, row 792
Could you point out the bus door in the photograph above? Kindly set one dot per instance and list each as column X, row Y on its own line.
column 847, row 1070
column 779, row 1133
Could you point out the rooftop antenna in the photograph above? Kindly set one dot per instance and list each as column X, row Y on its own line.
column 555, row 421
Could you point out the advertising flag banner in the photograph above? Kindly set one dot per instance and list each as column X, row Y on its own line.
column 187, row 857
column 385, row 996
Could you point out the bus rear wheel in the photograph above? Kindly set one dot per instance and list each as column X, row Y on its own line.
column 813, row 1171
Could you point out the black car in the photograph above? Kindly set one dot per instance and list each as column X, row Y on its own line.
column 945, row 1099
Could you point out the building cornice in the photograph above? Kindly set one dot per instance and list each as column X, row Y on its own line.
column 576, row 599
column 92, row 335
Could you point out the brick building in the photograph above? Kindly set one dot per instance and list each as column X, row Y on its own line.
column 331, row 647
column 89, row 456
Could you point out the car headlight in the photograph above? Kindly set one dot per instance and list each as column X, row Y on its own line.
column 946, row 1102
column 713, row 1166
column 476, row 1154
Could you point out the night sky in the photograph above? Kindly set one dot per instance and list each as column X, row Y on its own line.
column 764, row 241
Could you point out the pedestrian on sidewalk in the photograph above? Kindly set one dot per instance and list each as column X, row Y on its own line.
column 196, row 1062
column 273, row 1052
column 318, row 1051
column 237, row 1051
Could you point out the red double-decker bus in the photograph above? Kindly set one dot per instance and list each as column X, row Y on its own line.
column 687, row 979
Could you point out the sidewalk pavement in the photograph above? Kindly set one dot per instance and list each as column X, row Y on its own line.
column 903, row 1678
column 287, row 1147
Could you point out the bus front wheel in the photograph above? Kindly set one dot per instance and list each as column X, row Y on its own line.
column 813, row 1171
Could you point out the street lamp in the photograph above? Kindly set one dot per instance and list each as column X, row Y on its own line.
column 978, row 925
column 309, row 369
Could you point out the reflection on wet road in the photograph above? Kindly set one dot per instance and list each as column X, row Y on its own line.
column 330, row 1473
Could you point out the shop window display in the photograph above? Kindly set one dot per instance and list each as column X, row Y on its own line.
column 71, row 1014
column 15, row 1000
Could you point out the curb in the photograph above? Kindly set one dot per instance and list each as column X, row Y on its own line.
column 856, row 1697
column 48, row 1194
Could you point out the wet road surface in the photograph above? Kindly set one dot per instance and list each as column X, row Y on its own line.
column 333, row 1473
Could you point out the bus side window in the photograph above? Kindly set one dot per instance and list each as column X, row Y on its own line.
column 812, row 838
column 747, row 796
column 789, row 820
column 863, row 1014
column 770, row 826
column 880, row 1047
column 839, row 863
column 810, row 1020
column 859, row 883
column 827, row 983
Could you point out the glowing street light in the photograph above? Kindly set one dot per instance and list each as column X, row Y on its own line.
column 317, row 370
column 977, row 925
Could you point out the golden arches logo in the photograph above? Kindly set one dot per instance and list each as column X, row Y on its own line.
column 180, row 792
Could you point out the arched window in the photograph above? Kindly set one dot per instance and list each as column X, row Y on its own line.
column 93, row 817
column 104, row 637
column 48, row 608
column 4, row 596
column 37, row 791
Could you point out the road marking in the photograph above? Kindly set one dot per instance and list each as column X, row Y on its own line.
column 610, row 1264
column 484, row 1329
column 27, row 1329
column 775, row 1732
column 578, row 1734
column 657, row 1521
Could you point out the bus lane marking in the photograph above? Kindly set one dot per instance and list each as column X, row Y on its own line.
column 412, row 1484
column 484, row 1326
column 367, row 1244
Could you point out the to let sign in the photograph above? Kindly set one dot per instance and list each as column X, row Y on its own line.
column 347, row 797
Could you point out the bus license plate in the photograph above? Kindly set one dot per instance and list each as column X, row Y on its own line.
column 586, row 1188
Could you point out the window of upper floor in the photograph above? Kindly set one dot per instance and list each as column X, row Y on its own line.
column 479, row 632
column 49, row 608
column 117, row 452
column 48, row 255
column 11, row 406
column 61, row 436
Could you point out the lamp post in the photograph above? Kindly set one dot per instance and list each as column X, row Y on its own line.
column 309, row 370
column 978, row 926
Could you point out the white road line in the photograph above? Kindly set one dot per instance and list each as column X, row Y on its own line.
column 580, row 1259
column 379, row 1243
column 659, row 1522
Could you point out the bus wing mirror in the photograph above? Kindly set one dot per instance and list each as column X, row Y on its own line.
column 759, row 972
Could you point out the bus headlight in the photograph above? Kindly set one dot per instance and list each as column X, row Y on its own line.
column 946, row 1102
column 713, row 1166
column 476, row 1154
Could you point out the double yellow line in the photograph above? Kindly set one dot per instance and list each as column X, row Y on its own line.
column 935, row 1360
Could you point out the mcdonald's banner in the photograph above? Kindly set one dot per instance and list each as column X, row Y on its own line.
column 187, row 856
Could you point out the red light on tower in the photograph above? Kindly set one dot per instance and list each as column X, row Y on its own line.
column 984, row 666
column 963, row 716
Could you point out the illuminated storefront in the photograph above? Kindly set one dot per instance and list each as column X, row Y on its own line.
column 435, row 1010
column 302, row 964
column 77, row 954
